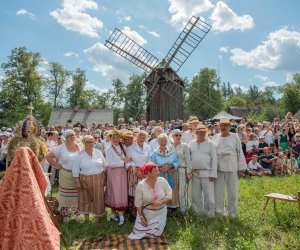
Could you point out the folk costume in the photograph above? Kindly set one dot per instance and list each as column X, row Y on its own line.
column 156, row 216
column 140, row 156
column 116, row 196
column 230, row 160
column 90, row 170
column 169, row 157
column 204, row 163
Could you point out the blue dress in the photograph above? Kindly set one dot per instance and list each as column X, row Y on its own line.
column 169, row 157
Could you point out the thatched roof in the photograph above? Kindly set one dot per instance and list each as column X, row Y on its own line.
column 243, row 111
column 59, row 116
column 297, row 115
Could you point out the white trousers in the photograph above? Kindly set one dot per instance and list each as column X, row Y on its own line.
column 230, row 181
column 203, row 196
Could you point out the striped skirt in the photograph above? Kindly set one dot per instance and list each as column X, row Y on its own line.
column 174, row 203
column 68, row 193
column 116, row 193
column 91, row 195
column 133, row 180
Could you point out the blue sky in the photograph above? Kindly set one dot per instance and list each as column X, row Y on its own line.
column 251, row 42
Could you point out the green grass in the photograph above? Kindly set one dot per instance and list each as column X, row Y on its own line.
column 252, row 230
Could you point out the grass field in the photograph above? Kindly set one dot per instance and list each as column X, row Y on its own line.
column 253, row 230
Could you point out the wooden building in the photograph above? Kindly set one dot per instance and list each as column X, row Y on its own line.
column 167, row 102
column 60, row 116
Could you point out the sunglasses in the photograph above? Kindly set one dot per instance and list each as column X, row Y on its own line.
column 178, row 135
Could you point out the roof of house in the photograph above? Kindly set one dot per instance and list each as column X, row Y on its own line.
column 243, row 111
column 60, row 116
column 297, row 115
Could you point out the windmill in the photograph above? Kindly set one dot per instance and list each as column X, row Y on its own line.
column 164, row 100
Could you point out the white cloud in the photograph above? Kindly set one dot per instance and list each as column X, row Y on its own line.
column 262, row 78
column 281, row 50
column 73, row 17
column 236, row 85
column 134, row 35
column 289, row 77
column 127, row 18
column 224, row 19
column 224, row 49
column 24, row 12
column 183, row 10
column 153, row 33
column 108, row 63
column 266, row 82
column 70, row 53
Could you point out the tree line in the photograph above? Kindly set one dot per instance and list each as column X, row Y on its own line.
column 204, row 95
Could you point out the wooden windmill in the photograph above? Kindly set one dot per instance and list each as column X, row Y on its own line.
column 164, row 100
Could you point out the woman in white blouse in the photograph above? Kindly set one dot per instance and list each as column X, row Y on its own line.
column 184, row 155
column 116, row 196
column 88, row 170
column 62, row 158
column 151, row 196
column 140, row 153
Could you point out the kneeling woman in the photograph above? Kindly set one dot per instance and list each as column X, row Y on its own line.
column 88, row 170
column 151, row 197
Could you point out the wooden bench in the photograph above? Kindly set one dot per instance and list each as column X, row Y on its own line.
column 282, row 197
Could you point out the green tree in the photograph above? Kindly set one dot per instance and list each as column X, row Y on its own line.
column 77, row 95
column 291, row 95
column 236, row 101
column 56, row 83
column 253, row 94
column 102, row 100
column 135, row 92
column 205, row 96
column 22, row 84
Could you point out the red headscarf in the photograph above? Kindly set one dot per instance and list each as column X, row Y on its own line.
column 145, row 169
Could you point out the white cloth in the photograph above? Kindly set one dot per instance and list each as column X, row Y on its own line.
column 204, row 158
column 230, row 181
column 139, row 155
column 66, row 158
column 157, row 218
column 203, row 196
column 188, row 137
column 230, row 153
column 115, row 156
column 230, row 160
column 153, row 144
column 268, row 134
column 255, row 165
column 87, row 165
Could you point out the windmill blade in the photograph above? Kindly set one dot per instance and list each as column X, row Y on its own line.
column 130, row 50
column 187, row 41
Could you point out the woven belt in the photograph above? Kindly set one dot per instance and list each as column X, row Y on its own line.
column 154, row 209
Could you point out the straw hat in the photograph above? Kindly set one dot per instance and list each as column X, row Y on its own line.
column 201, row 128
column 225, row 121
column 193, row 119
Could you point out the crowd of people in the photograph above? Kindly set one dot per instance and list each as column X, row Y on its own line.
column 145, row 168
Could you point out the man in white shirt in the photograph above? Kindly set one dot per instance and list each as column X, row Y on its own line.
column 231, row 163
column 204, row 163
column 190, row 135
